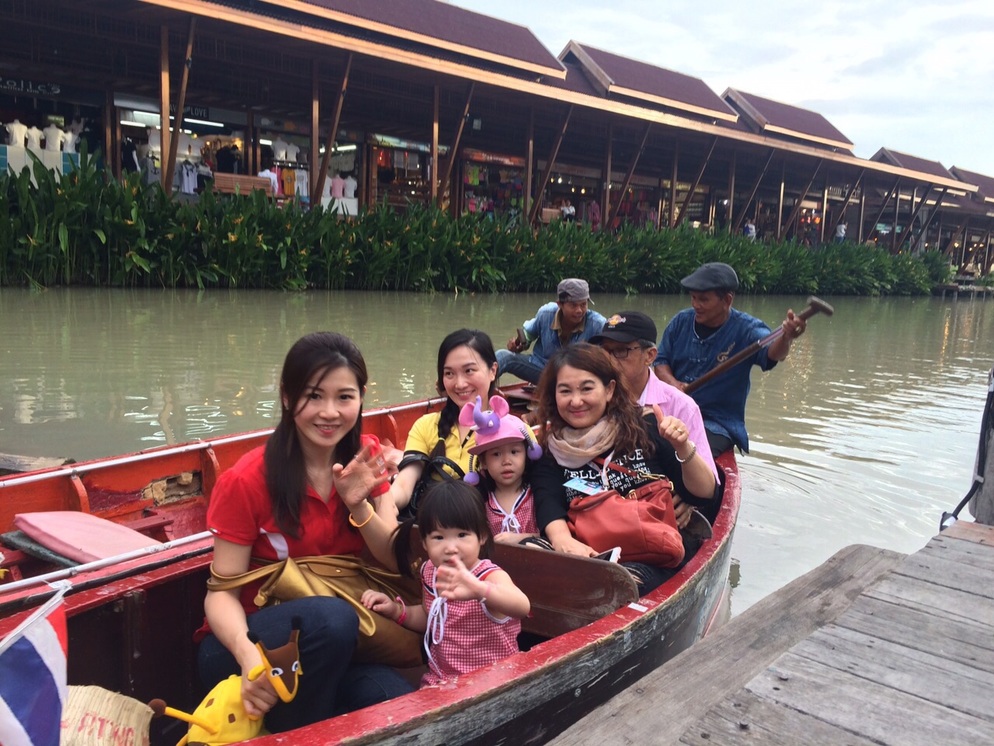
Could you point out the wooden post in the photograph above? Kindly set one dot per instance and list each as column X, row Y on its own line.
column 752, row 193
column 333, row 132
column 631, row 167
column 550, row 164
column 800, row 199
column 606, row 180
column 730, row 208
column 932, row 214
column 529, row 165
column 845, row 206
column 315, row 153
column 914, row 215
column 880, row 214
column 783, row 176
column 164, row 136
column 695, row 183
column 862, row 214
column 169, row 167
column 674, row 174
column 446, row 181
column 897, row 215
column 434, row 147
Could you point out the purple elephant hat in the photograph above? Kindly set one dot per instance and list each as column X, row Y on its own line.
column 495, row 426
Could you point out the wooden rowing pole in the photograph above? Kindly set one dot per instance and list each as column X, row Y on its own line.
column 815, row 305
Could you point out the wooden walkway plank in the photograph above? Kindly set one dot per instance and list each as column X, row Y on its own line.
column 745, row 718
column 660, row 707
column 877, row 712
column 958, row 686
column 934, row 599
column 960, row 550
column 963, row 641
column 970, row 531
column 948, row 569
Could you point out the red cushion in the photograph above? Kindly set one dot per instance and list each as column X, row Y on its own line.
column 81, row 536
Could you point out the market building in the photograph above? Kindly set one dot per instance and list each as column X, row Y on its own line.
column 417, row 100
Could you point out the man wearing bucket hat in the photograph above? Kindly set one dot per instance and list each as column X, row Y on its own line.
column 556, row 325
column 705, row 335
column 630, row 338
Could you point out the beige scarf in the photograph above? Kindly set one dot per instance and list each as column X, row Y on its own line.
column 574, row 448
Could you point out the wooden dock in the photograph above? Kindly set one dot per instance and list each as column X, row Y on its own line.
column 870, row 648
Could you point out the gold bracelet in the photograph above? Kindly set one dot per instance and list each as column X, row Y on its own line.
column 368, row 519
column 693, row 452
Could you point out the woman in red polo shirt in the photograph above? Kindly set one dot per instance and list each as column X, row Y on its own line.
column 310, row 490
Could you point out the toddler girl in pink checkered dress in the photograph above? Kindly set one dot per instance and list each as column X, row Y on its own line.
column 471, row 609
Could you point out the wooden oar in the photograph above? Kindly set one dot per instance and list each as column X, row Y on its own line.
column 815, row 305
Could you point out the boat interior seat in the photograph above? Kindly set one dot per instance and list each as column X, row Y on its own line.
column 80, row 537
column 566, row 592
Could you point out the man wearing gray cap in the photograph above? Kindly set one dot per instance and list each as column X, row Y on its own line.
column 556, row 325
column 705, row 335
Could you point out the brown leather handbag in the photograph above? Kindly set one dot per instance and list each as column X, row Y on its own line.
column 642, row 523
column 381, row 640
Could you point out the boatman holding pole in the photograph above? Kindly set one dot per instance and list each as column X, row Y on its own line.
column 710, row 333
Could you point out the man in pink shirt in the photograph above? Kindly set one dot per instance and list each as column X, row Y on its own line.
column 629, row 337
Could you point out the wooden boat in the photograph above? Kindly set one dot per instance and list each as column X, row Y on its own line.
column 131, row 618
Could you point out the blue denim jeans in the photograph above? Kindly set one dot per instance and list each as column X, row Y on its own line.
column 518, row 365
column 331, row 684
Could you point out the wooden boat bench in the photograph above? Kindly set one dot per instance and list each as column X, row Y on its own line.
column 566, row 592
column 39, row 537
column 241, row 184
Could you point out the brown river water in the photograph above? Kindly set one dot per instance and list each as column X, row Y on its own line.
column 865, row 434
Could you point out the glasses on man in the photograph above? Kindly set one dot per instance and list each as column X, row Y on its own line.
column 620, row 353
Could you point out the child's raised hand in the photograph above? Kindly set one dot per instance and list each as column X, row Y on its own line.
column 455, row 583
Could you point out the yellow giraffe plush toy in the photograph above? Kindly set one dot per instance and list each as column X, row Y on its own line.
column 221, row 717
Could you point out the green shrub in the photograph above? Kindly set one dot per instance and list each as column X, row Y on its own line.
column 80, row 228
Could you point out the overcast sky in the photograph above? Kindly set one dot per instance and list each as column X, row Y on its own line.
column 916, row 77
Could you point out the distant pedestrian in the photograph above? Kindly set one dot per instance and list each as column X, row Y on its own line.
column 840, row 233
column 749, row 230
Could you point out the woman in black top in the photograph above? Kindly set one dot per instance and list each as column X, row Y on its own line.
column 588, row 415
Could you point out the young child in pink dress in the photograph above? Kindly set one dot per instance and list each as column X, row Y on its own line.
column 471, row 609
column 499, row 466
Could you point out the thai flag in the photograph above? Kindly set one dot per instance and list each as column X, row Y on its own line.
column 33, row 677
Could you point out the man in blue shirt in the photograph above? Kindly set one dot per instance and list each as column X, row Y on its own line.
column 699, row 338
column 556, row 325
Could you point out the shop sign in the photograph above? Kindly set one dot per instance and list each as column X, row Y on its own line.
column 387, row 141
column 197, row 112
column 20, row 85
column 479, row 156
